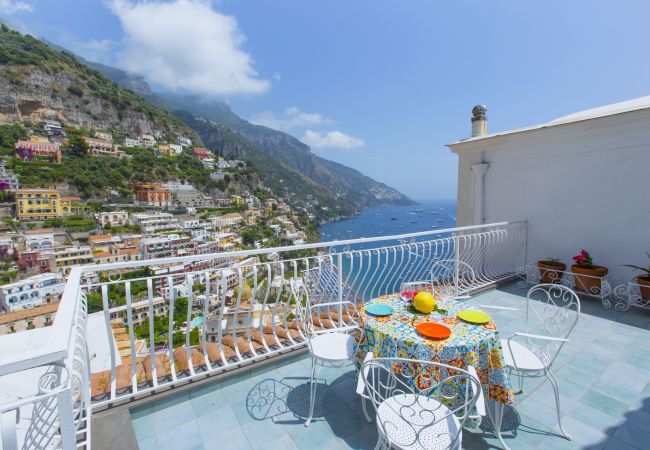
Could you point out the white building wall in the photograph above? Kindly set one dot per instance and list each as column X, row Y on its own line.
column 582, row 184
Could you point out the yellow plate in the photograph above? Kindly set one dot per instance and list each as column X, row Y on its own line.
column 472, row 316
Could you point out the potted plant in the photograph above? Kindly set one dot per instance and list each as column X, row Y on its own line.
column 587, row 274
column 643, row 281
column 550, row 270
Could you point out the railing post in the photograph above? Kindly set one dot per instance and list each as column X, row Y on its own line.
column 456, row 265
column 339, row 267
column 66, row 420
column 8, row 421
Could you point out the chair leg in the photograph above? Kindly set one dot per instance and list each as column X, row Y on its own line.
column 556, row 390
column 365, row 410
column 312, row 391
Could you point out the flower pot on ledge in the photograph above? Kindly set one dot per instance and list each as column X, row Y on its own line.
column 550, row 271
column 587, row 278
column 644, row 286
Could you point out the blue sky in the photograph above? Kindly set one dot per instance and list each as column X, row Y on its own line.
column 378, row 85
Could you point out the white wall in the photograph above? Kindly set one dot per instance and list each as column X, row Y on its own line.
column 583, row 184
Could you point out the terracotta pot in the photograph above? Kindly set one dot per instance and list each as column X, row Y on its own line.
column 550, row 271
column 590, row 282
column 644, row 286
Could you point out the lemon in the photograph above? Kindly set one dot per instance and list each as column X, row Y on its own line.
column 424, row 302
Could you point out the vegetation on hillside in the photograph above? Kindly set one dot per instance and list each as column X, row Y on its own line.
column 95, row 177
column 21, row 55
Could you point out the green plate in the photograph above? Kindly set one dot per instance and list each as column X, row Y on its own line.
column 473, row 316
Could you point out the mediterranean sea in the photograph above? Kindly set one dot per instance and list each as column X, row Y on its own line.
column 390, row 220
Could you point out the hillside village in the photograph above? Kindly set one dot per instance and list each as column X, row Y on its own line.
column 51, row 227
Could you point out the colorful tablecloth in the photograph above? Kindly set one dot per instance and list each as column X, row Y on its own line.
column 395, row 336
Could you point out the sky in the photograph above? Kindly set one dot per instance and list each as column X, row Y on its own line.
column 379, row 85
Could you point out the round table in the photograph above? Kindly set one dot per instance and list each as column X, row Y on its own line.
column 395, row 336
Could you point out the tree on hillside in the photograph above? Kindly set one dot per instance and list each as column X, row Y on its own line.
column 77, row 146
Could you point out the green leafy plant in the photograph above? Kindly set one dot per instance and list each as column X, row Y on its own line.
column 642, row 269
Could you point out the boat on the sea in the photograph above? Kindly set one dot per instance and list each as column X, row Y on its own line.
column 350, row 234
column 393, row 218
column 401, row 226
column 418, row 210
column 441, row 220
column 413, row 221
column 435, row 226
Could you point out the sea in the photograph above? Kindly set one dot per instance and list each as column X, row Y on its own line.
column 390, row 220
column 387, row 220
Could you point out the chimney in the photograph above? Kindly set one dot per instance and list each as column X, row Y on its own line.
column 479, row 120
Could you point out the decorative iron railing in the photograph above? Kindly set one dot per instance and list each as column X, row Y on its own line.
column 202, row 315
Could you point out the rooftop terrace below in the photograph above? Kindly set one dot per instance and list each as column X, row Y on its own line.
column 603, row 374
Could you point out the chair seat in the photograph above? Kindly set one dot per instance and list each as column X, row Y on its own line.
column 527, row 360
column 405, row 415
column 333, row 346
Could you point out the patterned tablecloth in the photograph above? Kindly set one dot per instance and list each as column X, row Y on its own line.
column 478, row 345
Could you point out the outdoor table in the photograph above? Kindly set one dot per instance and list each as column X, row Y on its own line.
column 395, row 336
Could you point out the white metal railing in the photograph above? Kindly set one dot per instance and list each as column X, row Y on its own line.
column 163, row 330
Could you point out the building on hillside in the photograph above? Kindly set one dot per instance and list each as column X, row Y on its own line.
column 167, row 246
column 155, row 222
column 38, row 204
column 41, row 239
column 115, row 218
column 227, row 220
column 152, row 194
column 115, row 254
column 184, row 141
column 103, row 135
column 590, row 167
column 52, row 126
column 102, row 147
column 28, row 319
column 146, row 140
column 38, row 149
column 8, row 179
column 208, row 163
column 165, row 150
column 140, row 310
column 189, row 222
column 216, row 176
column 68, row 257
column 201, row 153
column 35, row 261
column 128, row 142
column 71, row 205
column 237, row 200
column 176, row 149
column 222, row 202
column 32, row 291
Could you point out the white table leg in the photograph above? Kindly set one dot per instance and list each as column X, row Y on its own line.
column 497, row 418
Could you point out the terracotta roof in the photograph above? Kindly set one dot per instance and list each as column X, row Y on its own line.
column 47, row 308
column 97, row 237
column 101, row 254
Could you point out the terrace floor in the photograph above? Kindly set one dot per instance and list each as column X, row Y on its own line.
column 603, row 373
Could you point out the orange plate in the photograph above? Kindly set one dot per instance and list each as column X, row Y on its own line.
column 433, row 330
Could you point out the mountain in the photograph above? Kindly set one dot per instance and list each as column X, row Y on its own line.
column 344, row 182
column 39, row 82
column 288, row 184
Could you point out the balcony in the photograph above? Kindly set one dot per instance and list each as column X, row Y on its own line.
column 248, row 388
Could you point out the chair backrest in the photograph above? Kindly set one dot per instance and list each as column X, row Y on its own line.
column 451, row 277
column 318, row 315
column 407, row 387
column 551, row 310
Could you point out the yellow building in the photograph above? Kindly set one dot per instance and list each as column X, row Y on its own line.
column 42, row 204
column 165, row 150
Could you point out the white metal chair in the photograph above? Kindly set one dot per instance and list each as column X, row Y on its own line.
column 328, row 327
column 452, row 278
column 552, row 312
column 418, row 419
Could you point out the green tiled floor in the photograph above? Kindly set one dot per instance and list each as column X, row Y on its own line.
column 603, row 373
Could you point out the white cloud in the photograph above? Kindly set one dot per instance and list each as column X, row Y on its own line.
column 331, row 139
column 10, row 6
column 291, row 118
column 186, row 45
